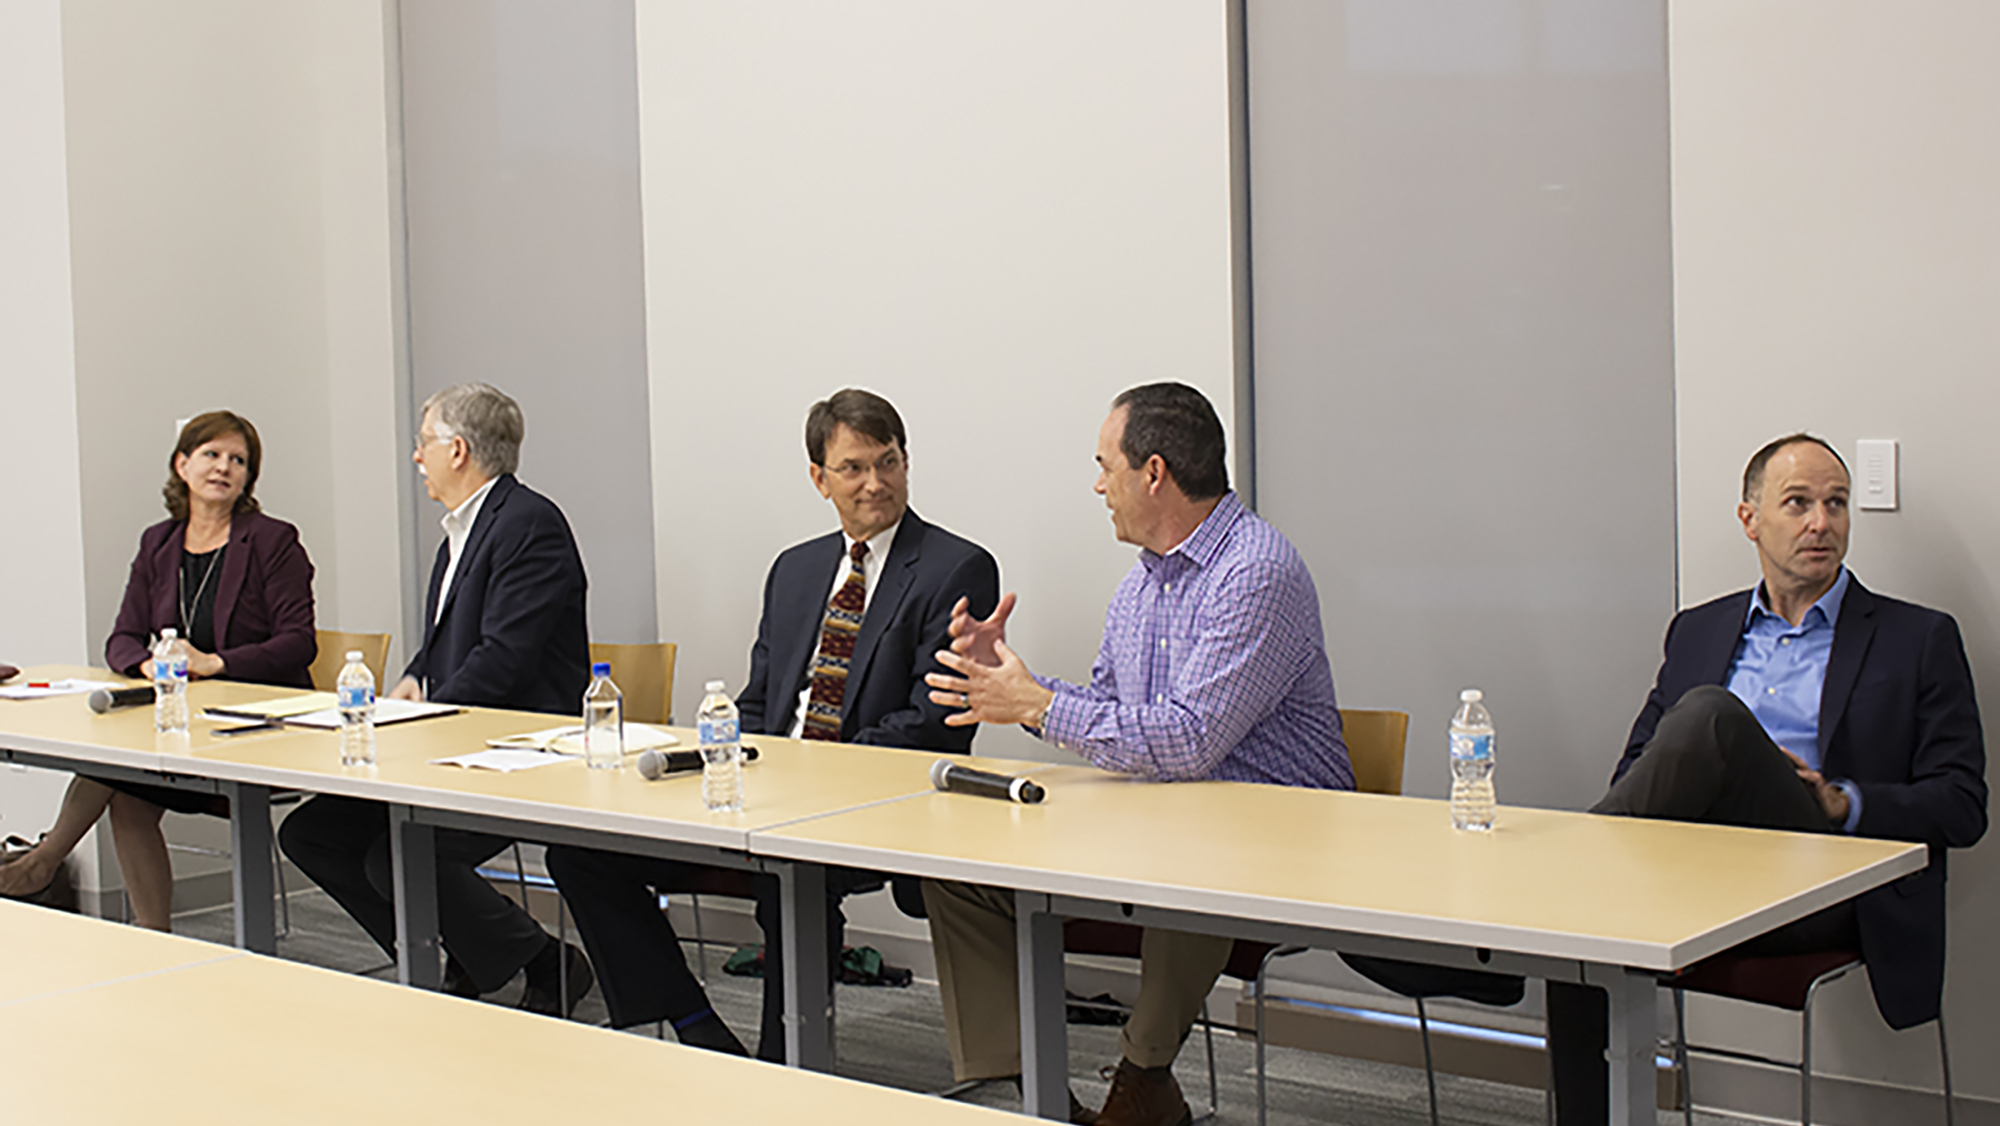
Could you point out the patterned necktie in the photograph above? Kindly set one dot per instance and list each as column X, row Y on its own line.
column 836, row 649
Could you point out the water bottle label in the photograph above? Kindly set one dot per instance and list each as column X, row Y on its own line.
column 717, row 731
column 1476, row 746
column 357, row 696
column 177, row 670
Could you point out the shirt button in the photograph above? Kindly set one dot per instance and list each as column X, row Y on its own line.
column 1784, row 641
column 1159, row 699
column 1167, row 587
column 1163, row 643
column 1770, row 691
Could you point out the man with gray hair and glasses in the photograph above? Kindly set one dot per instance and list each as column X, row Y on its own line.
column 503, row 627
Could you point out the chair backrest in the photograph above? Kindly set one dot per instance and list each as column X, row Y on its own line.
column 1375, row 748
column 645, row 674
column 333, row 647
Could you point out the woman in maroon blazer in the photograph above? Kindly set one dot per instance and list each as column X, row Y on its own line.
column 237, row 586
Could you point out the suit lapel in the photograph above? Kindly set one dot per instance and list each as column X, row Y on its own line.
column 898, row 571
column 489, row 511
column 1851, row 637
column 167, row 562
column 1718, row 650
column 235, row 562
column 801, row 638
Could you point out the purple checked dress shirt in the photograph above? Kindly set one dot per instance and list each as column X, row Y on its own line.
column 1213, row 665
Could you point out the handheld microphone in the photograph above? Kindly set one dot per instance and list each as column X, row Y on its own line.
column 950, row 777
column 104, row 699
column 657, row 764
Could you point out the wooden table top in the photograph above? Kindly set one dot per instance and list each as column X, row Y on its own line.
column 241, row 1037
column 791, row 781
column 1648, row 894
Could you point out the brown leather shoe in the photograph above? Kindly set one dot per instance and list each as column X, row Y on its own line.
column 1144, row 1096
column 1079, row 1114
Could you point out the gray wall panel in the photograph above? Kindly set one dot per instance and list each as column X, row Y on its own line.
column 1464, row 381
column 522, row 156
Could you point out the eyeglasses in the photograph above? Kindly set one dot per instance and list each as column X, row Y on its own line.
column 888, row 465
column 424, row 443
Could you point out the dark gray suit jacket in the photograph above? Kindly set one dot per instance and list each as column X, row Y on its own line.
column 908, row 620
column 1897, row 716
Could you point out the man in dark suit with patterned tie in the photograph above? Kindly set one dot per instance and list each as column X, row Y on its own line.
column 850, row 626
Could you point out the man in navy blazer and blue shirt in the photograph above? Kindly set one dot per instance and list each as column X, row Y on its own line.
column 851, row 623
column 1812, row 704
column 504, row 627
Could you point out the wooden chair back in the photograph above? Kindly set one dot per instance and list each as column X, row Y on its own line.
column 645, row 674
column 333, row 648
column 1375, row 744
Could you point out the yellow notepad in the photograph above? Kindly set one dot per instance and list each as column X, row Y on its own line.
column 282, row 708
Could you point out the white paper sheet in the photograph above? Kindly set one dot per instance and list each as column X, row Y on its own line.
column 27, row 691
column 504, row 759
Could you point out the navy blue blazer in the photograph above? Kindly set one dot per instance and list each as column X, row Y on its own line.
column 1897, row 716
column 908, row 620
column 512, row 634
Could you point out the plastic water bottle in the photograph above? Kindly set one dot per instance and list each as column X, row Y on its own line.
column 721, row 751
column 603, row 720
column 356, row 688
column 170, row 683
column 1472, row 764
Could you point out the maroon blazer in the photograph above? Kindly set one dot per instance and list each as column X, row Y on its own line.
column 263, row 609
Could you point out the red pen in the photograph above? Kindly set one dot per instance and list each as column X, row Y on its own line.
column 40, row 684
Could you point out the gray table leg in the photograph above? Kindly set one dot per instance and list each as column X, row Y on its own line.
column 413, row 867
column 1634, row 997
column 808, row 1019
column 251, row 878
column 1038, row 939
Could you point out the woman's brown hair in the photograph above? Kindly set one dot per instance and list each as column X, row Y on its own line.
column 201, row 430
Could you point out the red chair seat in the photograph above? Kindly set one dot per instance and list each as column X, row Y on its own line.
column 1780, row 982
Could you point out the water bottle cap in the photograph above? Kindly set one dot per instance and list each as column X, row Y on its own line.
column 1471, row 695
column 169, row 633
column 355, row 655
column 713, row 686
column 601, row 668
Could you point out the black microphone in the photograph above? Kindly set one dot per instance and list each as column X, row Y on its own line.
column 104, row 699
column 657, row 764
column 948, row 776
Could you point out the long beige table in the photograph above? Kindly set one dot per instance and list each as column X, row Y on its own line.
column 129, row 1026
column 1611, row 902
column 564, row 802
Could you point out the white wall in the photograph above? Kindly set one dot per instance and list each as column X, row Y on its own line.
column 998, row 216
column 230, row 208
column 41, row 600
column 1837, row 266
column 230, row 202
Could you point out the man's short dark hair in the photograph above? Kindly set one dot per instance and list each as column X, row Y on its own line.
column 1176, row 422
column 1753, row 473
column 863, row 412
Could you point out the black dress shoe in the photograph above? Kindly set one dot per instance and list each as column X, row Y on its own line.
column 709, row 1032
column 457, row 983
column 540, row 996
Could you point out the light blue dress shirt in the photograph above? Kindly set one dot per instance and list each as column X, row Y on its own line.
column 1779, row 671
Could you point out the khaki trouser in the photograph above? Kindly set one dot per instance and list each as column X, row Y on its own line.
column 972, row 935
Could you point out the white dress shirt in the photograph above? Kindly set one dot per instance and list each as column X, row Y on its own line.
column 458, row 525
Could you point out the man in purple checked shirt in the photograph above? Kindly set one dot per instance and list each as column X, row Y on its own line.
column 1213, row 666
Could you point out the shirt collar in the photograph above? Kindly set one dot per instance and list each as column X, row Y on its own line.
column 459, row 520
column 878, row 544
column 1205, row 542
column 1828, row 606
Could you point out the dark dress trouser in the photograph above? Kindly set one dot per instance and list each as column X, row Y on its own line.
column 1709, row 761
column 342, row 844
column 637, row 955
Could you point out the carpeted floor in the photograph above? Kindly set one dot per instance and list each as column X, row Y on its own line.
column 896, row 1037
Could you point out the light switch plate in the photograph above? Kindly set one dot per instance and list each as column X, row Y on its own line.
column 1875, row 474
